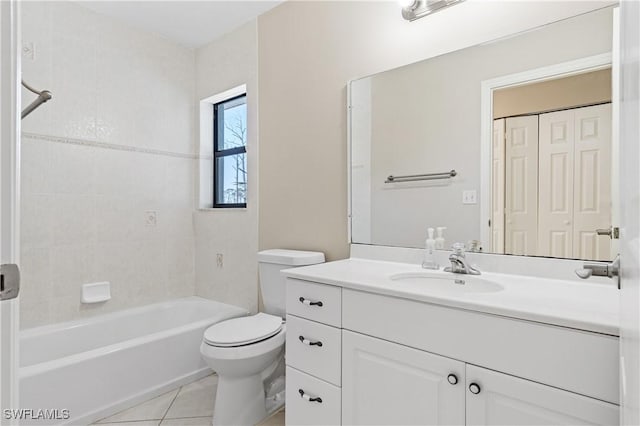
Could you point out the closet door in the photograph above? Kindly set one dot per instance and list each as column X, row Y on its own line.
column 555, row 211
column 592, row 175
column 497, row 187
column 521, row 185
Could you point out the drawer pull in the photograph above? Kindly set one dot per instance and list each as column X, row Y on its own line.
column 308, row 398
column 453, row 379
column 309, row 342
column 474, row 388
column 309, row 302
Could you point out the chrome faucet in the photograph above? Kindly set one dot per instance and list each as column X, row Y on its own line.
column 459, row 264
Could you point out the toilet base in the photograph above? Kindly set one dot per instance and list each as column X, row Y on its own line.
column 239, row 401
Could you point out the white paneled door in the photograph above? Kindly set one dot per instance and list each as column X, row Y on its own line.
column 386, row 383
column 521, row 185
column 592, row 177
column 557, row 183
column 497, row 187
column 9, row 129
column 575, row 183
column 555, row 209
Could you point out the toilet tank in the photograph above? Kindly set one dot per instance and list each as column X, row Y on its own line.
column 272, row 283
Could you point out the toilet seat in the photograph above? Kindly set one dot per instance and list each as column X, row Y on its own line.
column 243, row 331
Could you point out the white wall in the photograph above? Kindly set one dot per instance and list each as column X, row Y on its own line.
column 115, row 142
column 307, row 53
column 226, row 63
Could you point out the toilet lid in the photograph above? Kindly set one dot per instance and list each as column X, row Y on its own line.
column 243, row 331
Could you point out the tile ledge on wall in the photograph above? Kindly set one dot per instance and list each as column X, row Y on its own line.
column 108, row 145
column 212, row 209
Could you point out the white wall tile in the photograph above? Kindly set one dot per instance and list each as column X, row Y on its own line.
column 36, row 272
column 36, row 220
column 83, row 206
column 73, row 219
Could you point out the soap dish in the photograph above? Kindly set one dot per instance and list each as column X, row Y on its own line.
column 96, row 292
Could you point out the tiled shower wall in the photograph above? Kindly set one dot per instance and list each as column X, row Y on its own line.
column 114, row 147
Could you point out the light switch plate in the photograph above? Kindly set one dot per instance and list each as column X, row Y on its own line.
column 470, row 197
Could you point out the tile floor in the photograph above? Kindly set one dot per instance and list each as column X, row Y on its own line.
column 190, row 405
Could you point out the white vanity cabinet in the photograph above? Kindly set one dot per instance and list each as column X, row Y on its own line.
column 392, row 360
column 385, row 384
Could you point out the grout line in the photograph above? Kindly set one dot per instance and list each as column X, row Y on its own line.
column 124, row 421
column 170, row 405
column 188, row 417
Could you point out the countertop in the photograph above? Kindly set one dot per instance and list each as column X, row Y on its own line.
column 579, row 305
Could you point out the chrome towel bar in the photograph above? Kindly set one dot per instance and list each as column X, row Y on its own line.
column 426, row 176
column 43, row 96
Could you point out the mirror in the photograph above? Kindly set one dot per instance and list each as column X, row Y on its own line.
column 509, row 145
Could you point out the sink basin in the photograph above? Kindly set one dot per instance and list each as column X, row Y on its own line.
column 458, row 283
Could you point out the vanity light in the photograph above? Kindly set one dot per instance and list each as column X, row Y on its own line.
column 415, row 9
column 408, row 4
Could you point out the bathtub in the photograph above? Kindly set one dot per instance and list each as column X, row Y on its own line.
column 98, row 366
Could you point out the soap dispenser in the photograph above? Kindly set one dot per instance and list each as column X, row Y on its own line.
column 429, row 261
column 440, row 237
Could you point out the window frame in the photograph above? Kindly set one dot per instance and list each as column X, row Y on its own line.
column 221, row 153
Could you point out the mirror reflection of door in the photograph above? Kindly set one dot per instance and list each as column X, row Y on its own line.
column 551, row 174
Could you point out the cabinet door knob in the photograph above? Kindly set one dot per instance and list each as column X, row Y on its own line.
column 309, row 398
column 317, row 343
column 309, row 302
column 474, row 388
column 453, row 379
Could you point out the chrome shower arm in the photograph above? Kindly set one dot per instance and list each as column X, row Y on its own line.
column 43, row 96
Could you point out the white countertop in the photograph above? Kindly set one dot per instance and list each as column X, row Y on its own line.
column 583, row 305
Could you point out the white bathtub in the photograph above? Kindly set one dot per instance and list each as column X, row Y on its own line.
column 98, row 366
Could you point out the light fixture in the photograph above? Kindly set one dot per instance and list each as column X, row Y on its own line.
column 407, row 4
column 415, row 9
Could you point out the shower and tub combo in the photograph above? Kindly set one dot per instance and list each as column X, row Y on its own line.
column 99, row 366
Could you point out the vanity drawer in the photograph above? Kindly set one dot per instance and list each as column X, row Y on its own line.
column 314, row 348
column 317, row 302
column 301, row 410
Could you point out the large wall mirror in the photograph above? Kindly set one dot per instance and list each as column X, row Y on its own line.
column 511, row 146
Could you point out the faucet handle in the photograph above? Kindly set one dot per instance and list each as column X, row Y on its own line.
column 458, row 248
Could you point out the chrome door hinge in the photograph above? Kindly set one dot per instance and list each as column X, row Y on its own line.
column 9, row 281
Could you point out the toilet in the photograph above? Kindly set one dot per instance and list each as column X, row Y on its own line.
column 247, row 353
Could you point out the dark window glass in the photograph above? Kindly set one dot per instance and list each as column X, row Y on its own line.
column 230, row 147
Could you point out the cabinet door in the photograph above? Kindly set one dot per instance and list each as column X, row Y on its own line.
column 385, row 383
column 499, row 399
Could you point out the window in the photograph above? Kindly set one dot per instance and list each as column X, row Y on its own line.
column 229, row 152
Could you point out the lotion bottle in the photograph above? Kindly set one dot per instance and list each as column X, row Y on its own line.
column 440, row 237
column 429, row 261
